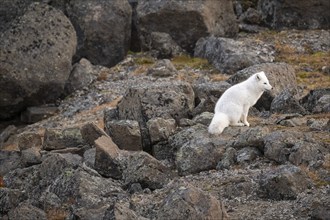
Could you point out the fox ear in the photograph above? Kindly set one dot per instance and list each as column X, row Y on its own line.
column 258, row 77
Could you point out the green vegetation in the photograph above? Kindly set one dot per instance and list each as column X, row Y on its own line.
column 184, row 61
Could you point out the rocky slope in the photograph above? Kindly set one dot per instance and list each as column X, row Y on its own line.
column 131, row 141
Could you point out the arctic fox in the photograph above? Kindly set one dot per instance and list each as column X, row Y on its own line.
column 233, row 106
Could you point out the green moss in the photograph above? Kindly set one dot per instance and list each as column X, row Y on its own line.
column 144, row 60
column 183, row 61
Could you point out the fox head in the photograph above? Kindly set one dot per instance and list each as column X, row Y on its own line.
column 262, row 81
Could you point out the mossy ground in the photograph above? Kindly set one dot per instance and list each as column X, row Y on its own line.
column 307, row 64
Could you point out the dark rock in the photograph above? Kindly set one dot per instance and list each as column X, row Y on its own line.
column 247, row 154
column 9, row 199
column 90, row 132
column 89, row 157
column 228, row 159
column 125, row 133
column 85, row 190
column 278, row 145
column 103, row 30
column 134, row 188
column 291, row 120
column 280, row 75
column 57, row 164
column 207, row 95
column 36, row 59
column 185, row 21
column 252, row 137
column 190, row 203
column 121, row 211
column 250, row 16
column 317, row 101
column 162, row 68
column 319, row 124
column 26, row 211
column 163, row 98
column 163, row 151
column 229, row 55
column 205, row 118
column 320, row 212
column 286, row 103
column 308, row 154
column 301, row 14
column 31, row 156
column 142, row 168
column 80, row 76
column 249, row 28
column 283, row 183
column 6, row 133
column 107, row 158
column 9, row 160
column 35, row 114
column 55, row 139
column 165, row 46
column 160, row 129
column 110, row 114
column 197, row 152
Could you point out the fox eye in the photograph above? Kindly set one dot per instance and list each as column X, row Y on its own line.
column 265, row 83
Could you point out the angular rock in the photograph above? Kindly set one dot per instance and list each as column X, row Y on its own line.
column 163, row 151
column 26, row 211
column 197, row 152
column 90, row 132
column 207, row 95
column 278, row 145
column 229, row 55
column 164, row 45
column 160, row 129
column 251, row 16
column 6, row 133
column 162, row 68
column 317, row 101
column 103, row 29
column 280, row 75
column 9, row 199
column 205, row 118
column 9, row 160
column 190, row 203
column 142, row 168
column 228, row 159
column 319, row 124
column 89, row 157
column 80, row 76
column 122, row 211
column 57, row 164
column 55, row 139
column 247, row 154
column 126, row 134
column 28, row 140
column 300, row 14
column 252, row 137
column 286, row 103
column 283, row 183
column 107, row 158
column 308, row 154
column 35, row 114
column 31, row 156
column 89, row 191
column 185, row 21
column 36, row 58
column 163, row 98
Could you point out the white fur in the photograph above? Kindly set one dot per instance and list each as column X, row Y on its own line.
column 233, row 106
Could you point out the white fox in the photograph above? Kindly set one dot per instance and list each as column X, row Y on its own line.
column 233, row 106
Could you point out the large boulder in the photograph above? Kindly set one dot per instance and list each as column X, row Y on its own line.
column 280, row 75
column 103, row 29
column 301, row 14
column 163, row 98
column 185, row 21
column 317, row 101
column 35, row 53
column 229, row 55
